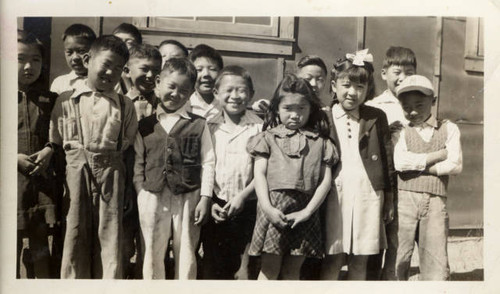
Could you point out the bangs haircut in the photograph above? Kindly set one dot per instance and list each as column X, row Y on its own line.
column 111, row 43
column 79, row 31
column 128, row 28
column 235, row 70
column 402, row 56
column 357, row 74
column 175, row 43
column 206, row 51
column 144, row 51
column 30, row 39
column 312, row 60
column 182, row 66
column 291, row 84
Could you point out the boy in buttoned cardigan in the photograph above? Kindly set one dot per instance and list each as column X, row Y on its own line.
column 173, row 174
column 426, row 152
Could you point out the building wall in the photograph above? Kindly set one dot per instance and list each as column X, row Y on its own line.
column 460, row 96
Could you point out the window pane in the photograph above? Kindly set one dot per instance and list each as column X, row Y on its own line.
column 254, row 20
column 181, row 17
column 480, row 47
column 216, row 18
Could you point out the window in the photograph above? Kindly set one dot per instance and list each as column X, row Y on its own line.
column 474, row 44
column 254, row 35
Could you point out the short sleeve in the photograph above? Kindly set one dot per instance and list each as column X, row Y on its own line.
column 258, row 146
column 330, row 153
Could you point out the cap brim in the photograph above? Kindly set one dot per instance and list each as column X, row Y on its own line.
column 423, row 90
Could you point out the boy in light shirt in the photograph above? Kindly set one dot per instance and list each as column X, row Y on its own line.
column 77, row 39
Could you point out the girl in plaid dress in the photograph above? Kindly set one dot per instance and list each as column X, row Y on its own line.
column 292, row 173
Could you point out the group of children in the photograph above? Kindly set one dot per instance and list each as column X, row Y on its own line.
column 158, row 150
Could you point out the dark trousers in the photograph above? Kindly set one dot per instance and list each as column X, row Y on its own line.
column 224, row 243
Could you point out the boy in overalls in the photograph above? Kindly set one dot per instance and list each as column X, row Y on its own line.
column 94, row 125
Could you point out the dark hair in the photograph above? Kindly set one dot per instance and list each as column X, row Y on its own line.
column 175, row 43
column 312, row 60
column 111, row 43
column 80, row 31
column 203, row 50
column 355, row 73
column 182, row 66
column 235, row 70
column 28, row 38
column 396, row 55
column 144, row 51
column 291, row 84
column 128, row 28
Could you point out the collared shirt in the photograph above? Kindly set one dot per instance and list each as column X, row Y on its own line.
column 144, row 105
column 388, row 103
column 405, row 160
column 199, row 107
column 234, row 166
column 167, row 121
column 347, row 126
column 100, row 117
column 67, row 82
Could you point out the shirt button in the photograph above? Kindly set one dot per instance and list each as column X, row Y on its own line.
column 349, row 136
column 374, row 157
column 164, row 172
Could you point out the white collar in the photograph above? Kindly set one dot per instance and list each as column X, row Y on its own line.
column 182, row 112
column 197, row 100
column 338, row 112
column 430, row 122
column 85, row 89
column 386, row 97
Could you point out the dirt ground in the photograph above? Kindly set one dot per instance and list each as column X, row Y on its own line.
column 465, row 255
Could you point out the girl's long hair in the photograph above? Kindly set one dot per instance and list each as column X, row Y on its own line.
column 355, row 73
column 291, row 84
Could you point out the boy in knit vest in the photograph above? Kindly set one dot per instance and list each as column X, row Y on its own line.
column 426, row 152
column 173, row 174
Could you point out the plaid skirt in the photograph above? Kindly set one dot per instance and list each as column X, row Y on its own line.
column 305, row 239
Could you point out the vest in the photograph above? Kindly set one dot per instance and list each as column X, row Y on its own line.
column 417, row 181
column 172, row 159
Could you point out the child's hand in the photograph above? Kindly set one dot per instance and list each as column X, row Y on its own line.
column 297, row 217
column 41, row 160
column 276, row 217
column 395, row 127
column 218, row 213
column 24, row 164
column 260, row 105
column 202, row 210
column 234, row 206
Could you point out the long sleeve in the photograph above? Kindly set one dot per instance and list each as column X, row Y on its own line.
column 130, row 124
column 453, row 164
column 405, row 160
column 207, row 163
column 139, row 163
column 55, row 129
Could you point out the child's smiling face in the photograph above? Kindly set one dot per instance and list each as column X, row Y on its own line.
column 74, row 50
column 350, row 94
column 29, row 64
column 395, row 74
column 294, row 110
column 173, row 89
column 314, row 75
column 142, row 72
column 417, row 107
column 207, row 73
column 104, row 70
column 233, row 94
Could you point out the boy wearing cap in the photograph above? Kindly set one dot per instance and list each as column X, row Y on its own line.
column 426, row 152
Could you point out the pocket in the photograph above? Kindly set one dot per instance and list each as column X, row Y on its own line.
column 191, row 174
column 190, row 149
column 112, row 130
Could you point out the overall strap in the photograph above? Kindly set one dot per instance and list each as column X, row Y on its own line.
column 122, row 118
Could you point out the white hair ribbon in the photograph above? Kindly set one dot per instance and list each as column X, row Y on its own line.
column 360, row 57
